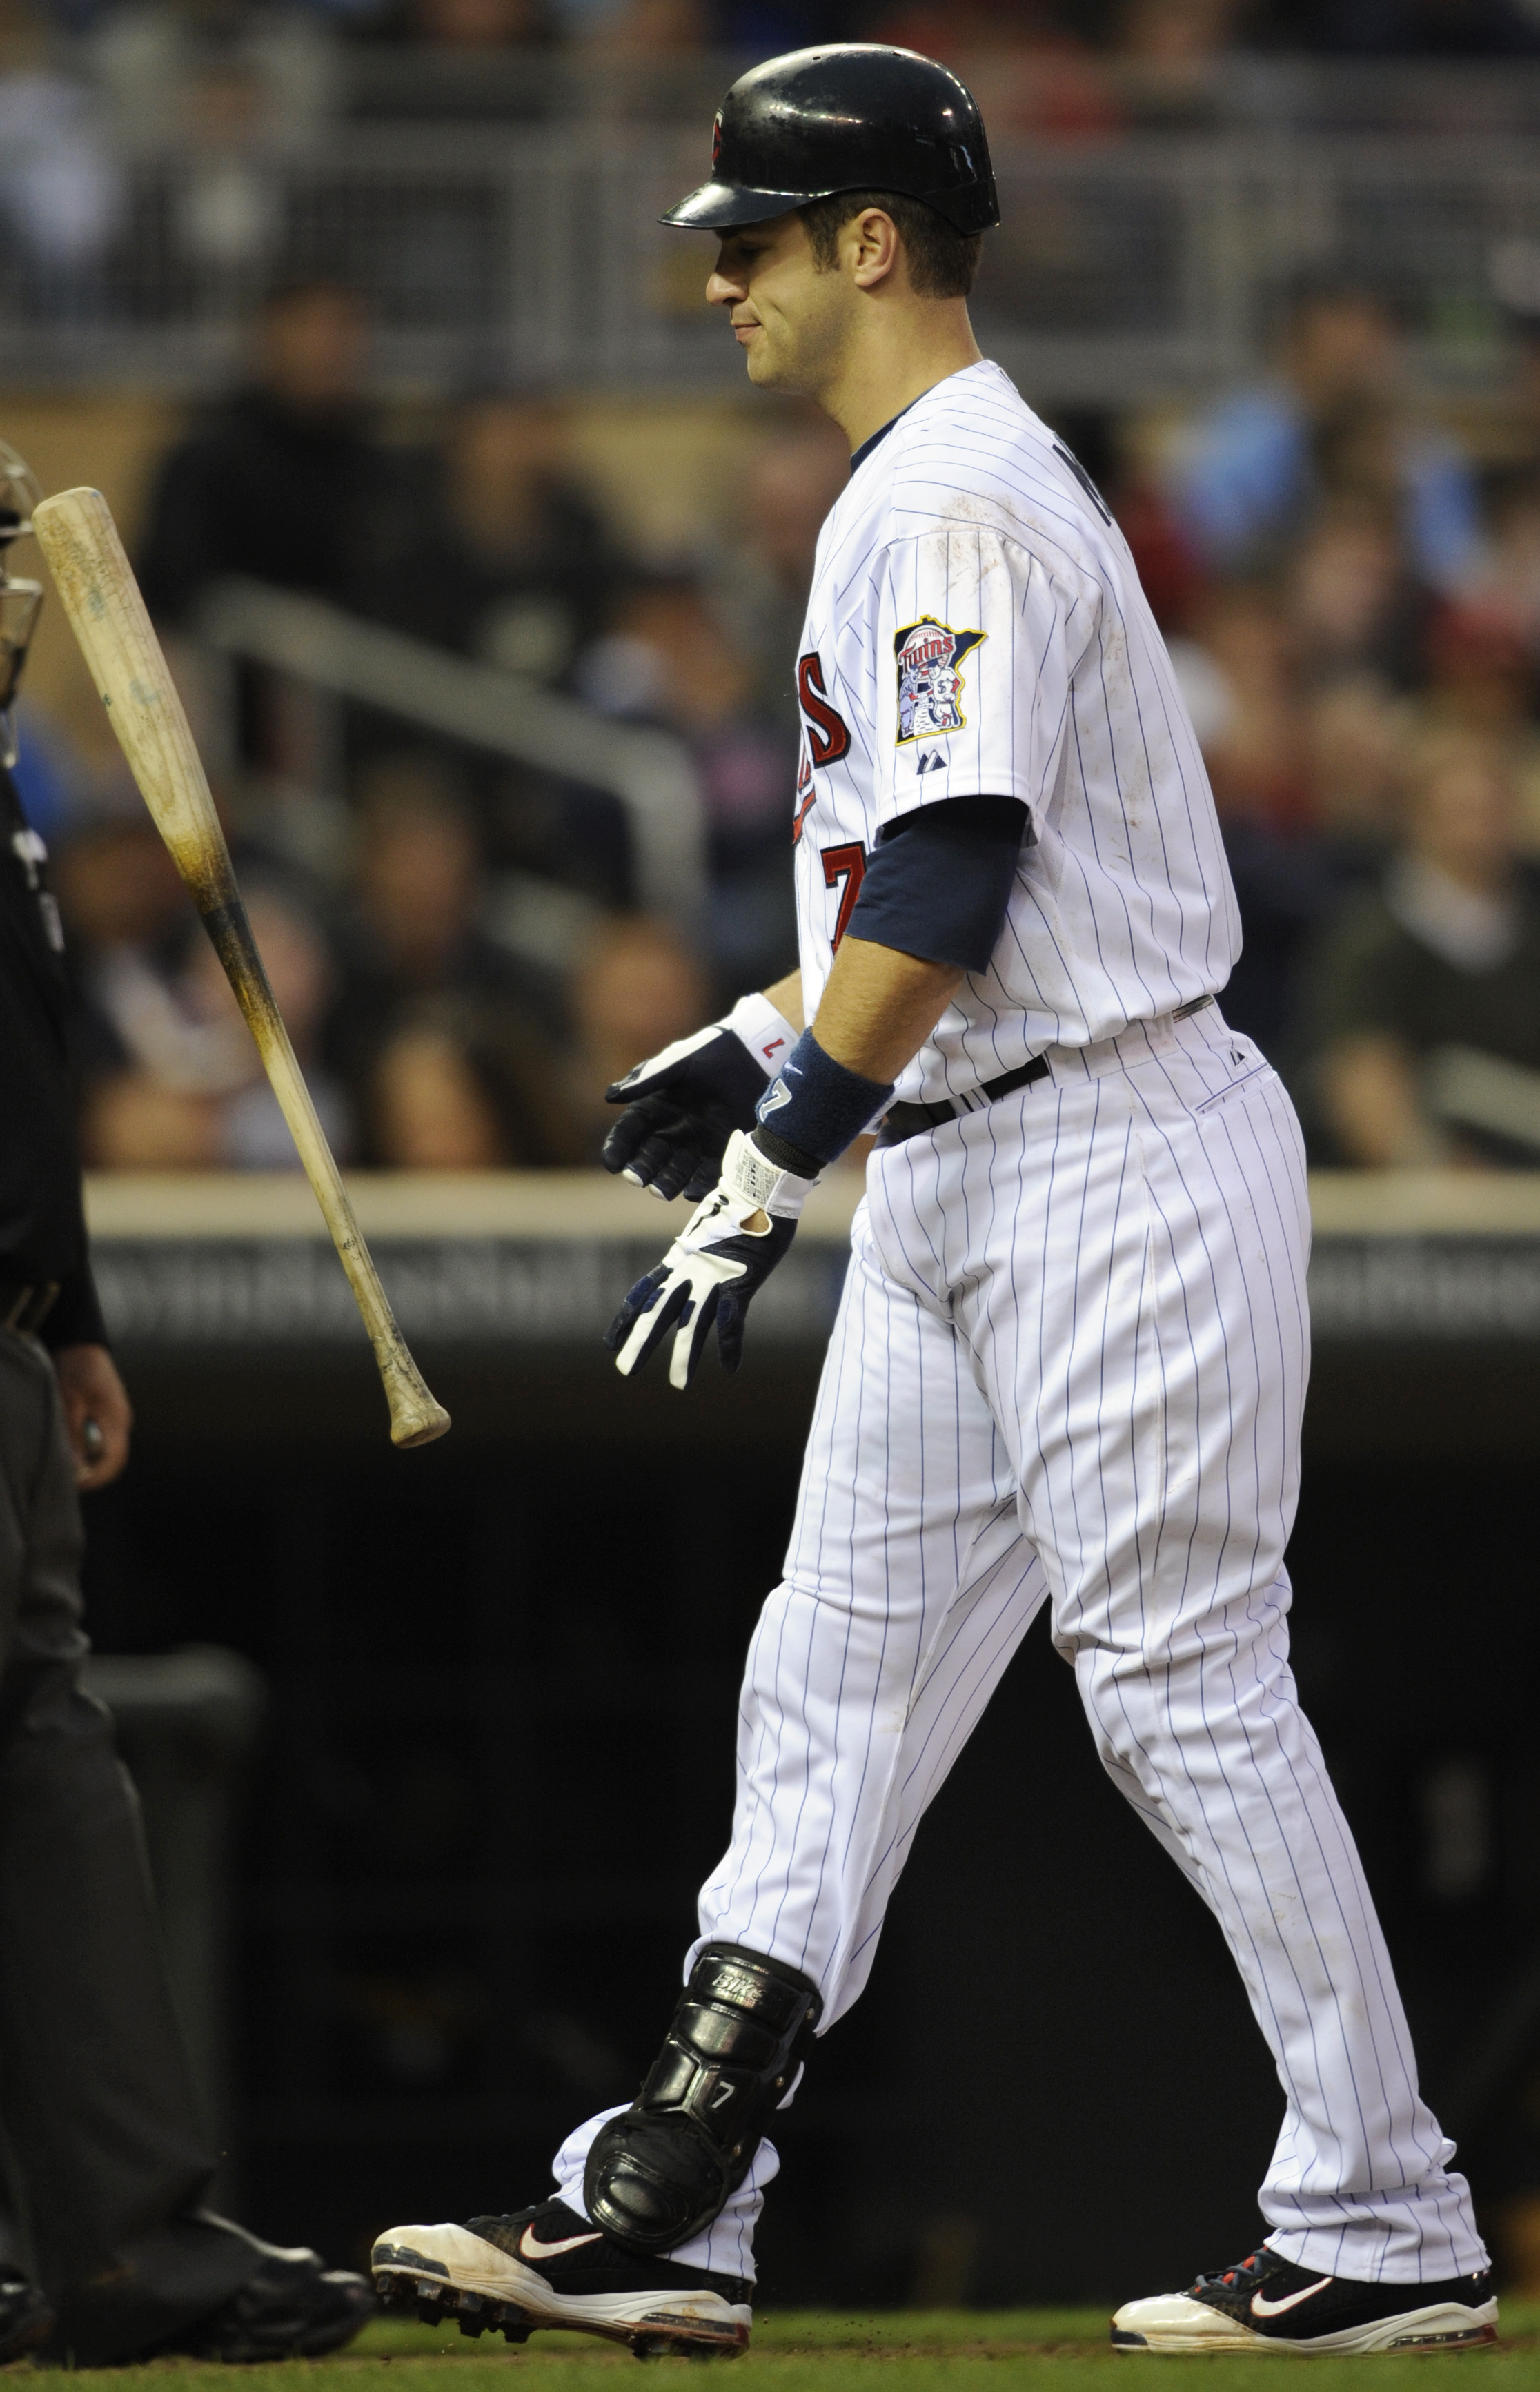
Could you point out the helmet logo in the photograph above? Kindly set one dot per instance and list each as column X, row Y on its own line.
column 717, row 139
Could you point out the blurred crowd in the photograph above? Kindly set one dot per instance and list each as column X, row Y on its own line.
column 92, row 89
column 460, row 942
column 1164, row 32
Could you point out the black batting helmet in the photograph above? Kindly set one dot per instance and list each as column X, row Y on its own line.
column 848, row 116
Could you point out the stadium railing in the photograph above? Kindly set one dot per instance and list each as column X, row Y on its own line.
column 348, row 659
column 1139, row 257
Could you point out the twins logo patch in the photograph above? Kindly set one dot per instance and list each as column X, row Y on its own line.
column 927, row 655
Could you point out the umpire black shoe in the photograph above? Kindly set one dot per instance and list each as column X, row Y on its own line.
column 295, row 2306
column 25, row 2317
column 546, row 2265
column 1268, row 2304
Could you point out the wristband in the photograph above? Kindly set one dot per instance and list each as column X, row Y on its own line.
column 817, row 1105
column 767, row 1034
column 755, row 1179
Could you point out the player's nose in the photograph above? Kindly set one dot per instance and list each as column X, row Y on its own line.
column 722, row 290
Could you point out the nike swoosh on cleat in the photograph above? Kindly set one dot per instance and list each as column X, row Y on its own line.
column 1263, row 2308
column 530, row 2249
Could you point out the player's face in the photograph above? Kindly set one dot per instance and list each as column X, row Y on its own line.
column 791, row 321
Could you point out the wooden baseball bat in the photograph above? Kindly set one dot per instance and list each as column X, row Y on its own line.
column 96, row 582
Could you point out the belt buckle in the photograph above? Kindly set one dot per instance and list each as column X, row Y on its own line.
column 30, row 1307
column 16, row 1310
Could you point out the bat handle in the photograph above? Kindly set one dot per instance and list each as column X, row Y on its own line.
column 416, row 1416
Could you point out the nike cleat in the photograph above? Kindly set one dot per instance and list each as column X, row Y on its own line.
column 548, row 2266
column 1268, row 2304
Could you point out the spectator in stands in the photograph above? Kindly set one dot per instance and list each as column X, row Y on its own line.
column 671, row 659
column 758, row 580
column 429, row 1107
column 1425, row 1020
column 1355, row 606
column 459, row 1086
column 466, row 27
column 1168, row 50
column 1239, row 672
column 1257, row 463
column 1177, row 35
column 1172, row 573
column 1028, row 62
column 508, row 560
column 496, row 552
column 636, row 988
column 119, row 896
column 172, row 1078
column 51, row 775
column 1355, row 730
column 284, row 481
column 1511, row 584
column 1480, row 668
column 210, row 76
column 189, row 1092
column 649, row 28
column 63, row 192
column 1436, row 29
column 417, row 976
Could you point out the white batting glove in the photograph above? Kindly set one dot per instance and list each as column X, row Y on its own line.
column 682, row 1105
column 715, row 1267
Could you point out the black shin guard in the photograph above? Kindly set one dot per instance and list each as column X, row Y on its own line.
column 665, row 2169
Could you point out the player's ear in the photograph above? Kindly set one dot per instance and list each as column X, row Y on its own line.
column 873, row 246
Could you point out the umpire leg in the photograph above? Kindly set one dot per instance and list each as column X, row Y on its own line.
column 97, row 2100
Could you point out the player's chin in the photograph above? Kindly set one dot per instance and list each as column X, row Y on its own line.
column 760, row 363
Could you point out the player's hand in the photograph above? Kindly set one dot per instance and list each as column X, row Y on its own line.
column 97, row 1414
column 716, row 1265
column 682, row 1105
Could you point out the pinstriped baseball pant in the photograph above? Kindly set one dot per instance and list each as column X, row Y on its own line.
column 1068, row 1368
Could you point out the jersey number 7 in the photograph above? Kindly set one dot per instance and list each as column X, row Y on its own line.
column 847, row 864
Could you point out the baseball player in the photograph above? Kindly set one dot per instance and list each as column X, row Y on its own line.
column 1071, row 1356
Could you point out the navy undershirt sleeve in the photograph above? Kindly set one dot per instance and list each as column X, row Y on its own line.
column 939, row 880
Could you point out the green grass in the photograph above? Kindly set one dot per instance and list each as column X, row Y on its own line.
column 984, row 2351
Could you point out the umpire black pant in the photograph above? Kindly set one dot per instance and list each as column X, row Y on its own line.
column 109, row 2153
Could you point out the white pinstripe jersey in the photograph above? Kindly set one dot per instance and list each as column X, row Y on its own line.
column 977, row 626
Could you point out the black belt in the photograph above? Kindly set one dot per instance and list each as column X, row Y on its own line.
column 26, row 1304
column 908, row 1121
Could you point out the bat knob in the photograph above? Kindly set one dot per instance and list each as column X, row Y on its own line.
column 417, row 1421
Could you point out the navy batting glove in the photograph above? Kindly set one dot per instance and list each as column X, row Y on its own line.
column 715, row 1267
column 682, row 1105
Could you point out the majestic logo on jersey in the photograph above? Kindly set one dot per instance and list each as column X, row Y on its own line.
column 928, row 653
column 828, row 739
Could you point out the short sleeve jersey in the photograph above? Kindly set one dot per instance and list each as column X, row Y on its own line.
column 977, row 628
